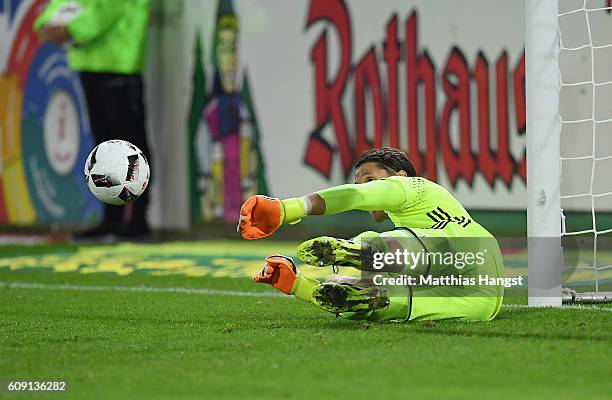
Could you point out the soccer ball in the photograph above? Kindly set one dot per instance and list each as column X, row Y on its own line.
column 117, row 172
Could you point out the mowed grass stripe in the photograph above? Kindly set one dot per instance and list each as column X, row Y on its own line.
column 210, row 292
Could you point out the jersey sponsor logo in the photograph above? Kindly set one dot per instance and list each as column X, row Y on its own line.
column 441, row 219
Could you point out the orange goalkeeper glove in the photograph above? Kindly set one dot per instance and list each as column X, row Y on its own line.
column 261, row 216
column 280, row 272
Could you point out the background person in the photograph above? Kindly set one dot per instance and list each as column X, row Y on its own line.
column 108, row 48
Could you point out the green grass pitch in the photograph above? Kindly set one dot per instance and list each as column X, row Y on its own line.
column 173, row 335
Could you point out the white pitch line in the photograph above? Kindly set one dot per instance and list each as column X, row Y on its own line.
column 211, row 292
column 89, row 288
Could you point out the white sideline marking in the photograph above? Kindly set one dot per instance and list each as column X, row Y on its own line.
column 89, row 288
column 211, row 292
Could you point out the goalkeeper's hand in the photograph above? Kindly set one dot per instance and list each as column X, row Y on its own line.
column 261, row 216
column 279, row 272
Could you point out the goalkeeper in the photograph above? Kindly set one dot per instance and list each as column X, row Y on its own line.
column 430, row 225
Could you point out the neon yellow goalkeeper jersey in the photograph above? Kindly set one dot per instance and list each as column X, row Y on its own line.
column 411, row 202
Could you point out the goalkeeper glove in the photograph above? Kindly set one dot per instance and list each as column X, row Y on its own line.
column 261, row 216
column 280, row 272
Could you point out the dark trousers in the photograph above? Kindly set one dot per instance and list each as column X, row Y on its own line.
column 116, row 111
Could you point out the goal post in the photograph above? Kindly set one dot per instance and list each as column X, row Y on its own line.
column 542, row 85
column 568, row 64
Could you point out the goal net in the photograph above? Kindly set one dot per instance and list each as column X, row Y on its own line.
column 569, row 96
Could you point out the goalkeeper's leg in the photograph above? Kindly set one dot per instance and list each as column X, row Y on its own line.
column 403, row 303
column 463, row 302
column 359, row 253
column 353, row 298
column 346, row 297
column 365, row 250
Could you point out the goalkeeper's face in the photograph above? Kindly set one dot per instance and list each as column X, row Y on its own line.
column 372, row 171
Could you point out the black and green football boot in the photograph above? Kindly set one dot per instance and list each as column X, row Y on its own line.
column 328, row 251
column 343, row 297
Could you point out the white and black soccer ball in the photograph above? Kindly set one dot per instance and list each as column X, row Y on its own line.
column 117, row 172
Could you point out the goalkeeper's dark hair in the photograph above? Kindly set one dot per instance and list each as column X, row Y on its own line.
column 389, row 158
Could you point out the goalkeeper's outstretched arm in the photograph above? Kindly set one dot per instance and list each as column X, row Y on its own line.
column 382, row 194
column 260, row 216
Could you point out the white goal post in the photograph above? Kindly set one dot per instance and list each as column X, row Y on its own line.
column 542, row 85
column 568, row 53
